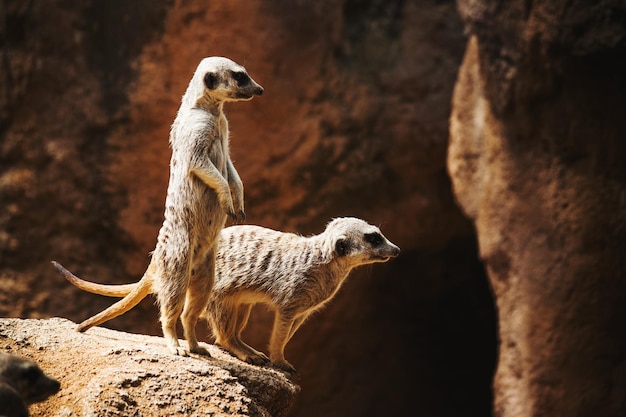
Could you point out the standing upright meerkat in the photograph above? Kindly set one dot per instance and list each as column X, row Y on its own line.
column 203, row 189
column 22, row 383
column 293, row 274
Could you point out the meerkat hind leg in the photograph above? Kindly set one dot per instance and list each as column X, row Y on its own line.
column 226, row 319
column 243, row 314
column 278, row 341
column 255, row 357
column 295, row 326
column 198, row 292
column 171, row 303
column 189, row 319
column 168, row 324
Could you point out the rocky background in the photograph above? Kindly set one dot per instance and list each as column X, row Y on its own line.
column 537, row 157
column 354, row 121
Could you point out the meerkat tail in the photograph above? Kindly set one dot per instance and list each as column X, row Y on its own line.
column 141, row 290
column 101, row 289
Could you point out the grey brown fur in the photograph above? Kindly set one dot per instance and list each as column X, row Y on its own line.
column 293, row 274
column 204, row 188
column 22, row 383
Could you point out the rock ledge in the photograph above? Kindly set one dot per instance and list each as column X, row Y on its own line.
column 110, row 373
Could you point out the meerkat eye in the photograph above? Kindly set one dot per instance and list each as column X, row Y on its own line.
column 211, row 80
column 343, row 246
column 373, row 239
column 241, row 77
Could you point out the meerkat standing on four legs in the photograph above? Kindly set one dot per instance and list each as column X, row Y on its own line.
column 294, row 275
column 22, row 383
column 204, row 188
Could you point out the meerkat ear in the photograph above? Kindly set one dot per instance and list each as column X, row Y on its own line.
column 342, row 246
column 210, row 80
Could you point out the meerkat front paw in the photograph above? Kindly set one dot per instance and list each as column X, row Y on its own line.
column 238, row 204
column 178, row 351
column 258, row 359
column 227, row 206
column 199, row 350
column 287, row 367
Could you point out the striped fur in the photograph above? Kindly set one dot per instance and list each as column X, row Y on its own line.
column 294, row 275
column 204, row 188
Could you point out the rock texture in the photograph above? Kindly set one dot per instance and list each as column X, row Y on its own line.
column 354, row 121
column 537, row 160
column 110, row 373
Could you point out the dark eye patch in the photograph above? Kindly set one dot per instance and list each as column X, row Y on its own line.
column 343, row 247
column 241, row 77
column 211, row 80
column 373, row 239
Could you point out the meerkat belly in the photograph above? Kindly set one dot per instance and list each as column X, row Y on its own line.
column 193, row 219
column 251, row 297
column 209, row 216
column 312, row 289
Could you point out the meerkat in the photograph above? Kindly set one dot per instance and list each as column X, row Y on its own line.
column 293, row 274
column 203, row 189
column 22, row 383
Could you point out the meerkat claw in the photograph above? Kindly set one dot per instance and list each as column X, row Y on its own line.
column 257, row 360
column 243, row 215
column 179, row 351
column 199, row 350
column 287, row 367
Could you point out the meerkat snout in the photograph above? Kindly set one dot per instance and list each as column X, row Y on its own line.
column 381, row 248
column 243, row 80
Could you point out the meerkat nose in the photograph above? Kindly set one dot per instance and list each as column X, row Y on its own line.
column 259, row 92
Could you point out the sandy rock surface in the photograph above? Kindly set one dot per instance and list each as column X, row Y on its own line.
column 110, row 373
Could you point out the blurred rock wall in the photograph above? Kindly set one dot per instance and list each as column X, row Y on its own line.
column 537, row 156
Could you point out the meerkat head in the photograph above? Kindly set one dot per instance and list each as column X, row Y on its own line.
column 218, row 79
column 27, row 378
column 360, row 242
